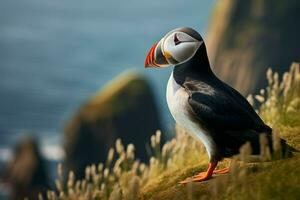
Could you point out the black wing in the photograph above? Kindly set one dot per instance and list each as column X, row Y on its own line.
column 223, row 108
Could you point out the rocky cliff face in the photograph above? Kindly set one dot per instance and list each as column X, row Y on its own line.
column 123, row 109
column 248, row 36
column 26, row 174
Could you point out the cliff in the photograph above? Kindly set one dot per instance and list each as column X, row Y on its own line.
column 26, row 174
column 246, row 37
column 125, row 108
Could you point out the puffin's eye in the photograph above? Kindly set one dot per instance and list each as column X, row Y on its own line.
column 176, row 40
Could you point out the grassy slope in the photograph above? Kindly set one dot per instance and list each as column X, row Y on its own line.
column 270, row 180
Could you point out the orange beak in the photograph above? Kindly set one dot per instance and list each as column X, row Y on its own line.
column 150, row 60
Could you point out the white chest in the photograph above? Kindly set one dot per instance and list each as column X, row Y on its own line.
column 177, row 99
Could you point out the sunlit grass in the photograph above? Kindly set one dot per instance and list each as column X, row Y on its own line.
column 124, row 177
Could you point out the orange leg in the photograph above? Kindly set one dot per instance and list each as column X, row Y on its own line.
column 202, row 176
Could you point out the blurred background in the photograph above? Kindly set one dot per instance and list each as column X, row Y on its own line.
column 55, row 55
column 72, row 78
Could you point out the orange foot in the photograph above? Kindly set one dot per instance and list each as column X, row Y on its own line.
column 217, row 171
column 203, row 176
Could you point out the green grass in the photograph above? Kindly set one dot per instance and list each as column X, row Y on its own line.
column 270, row 180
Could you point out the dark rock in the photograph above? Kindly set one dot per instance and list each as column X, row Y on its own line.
column 124, row 109
column 248, row 36
column 26, row 173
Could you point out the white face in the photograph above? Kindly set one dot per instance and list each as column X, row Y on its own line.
column 178, row 47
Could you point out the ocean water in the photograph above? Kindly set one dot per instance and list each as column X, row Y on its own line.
column 56, row 54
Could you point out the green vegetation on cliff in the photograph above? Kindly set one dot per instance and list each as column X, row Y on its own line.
column 113, row 112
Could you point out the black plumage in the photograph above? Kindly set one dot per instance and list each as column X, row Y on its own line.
column 219, row 109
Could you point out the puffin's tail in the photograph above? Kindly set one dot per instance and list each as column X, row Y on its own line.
column 285, row 150
column 278, row 145
column 289, row 148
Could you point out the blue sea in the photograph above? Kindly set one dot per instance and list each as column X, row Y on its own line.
column 55, row 54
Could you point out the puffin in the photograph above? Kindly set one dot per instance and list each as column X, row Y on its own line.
column 207, row 108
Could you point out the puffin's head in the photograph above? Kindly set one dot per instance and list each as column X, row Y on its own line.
column 176, row 47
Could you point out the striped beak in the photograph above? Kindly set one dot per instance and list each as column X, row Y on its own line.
column 155, row 57
column 150, row 59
